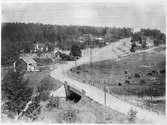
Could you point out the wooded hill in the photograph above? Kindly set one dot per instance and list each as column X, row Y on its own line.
column 22, row 36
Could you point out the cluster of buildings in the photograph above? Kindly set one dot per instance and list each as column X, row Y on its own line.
column 29, row 64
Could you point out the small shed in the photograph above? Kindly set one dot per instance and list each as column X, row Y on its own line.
column 26, row 64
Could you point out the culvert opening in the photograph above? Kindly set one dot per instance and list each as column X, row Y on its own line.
column 73, row 97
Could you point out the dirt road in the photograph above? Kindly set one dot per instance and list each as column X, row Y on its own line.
column 109, row 52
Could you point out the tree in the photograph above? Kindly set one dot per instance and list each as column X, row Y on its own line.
column 136, row 37
column 75, row 51
column 133, row 46
column 144, row 44
column 156, row 42
column 16, row 91
column 39, row 53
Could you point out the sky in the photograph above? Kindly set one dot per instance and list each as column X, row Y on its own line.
column 131, row 15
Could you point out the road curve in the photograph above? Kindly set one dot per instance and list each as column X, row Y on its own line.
column 97, row 94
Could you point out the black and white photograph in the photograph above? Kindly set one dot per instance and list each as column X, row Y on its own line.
column 101, row 62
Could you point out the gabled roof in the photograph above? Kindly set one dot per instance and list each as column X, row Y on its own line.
column 60, row 92
column 28, row 60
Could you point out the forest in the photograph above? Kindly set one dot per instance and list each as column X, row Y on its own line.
column 22, row 36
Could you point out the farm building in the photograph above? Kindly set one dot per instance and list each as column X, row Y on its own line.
column 25, row 64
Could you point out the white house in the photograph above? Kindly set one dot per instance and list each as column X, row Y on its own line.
column 25, row 63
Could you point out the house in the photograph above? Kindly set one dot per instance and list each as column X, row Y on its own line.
column 56, row 50
column 25, row 64
column 58, row 55
column 39, row 47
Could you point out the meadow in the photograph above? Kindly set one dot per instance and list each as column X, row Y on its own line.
column 139, row 75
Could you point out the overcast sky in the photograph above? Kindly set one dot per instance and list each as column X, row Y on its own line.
column 93, row 14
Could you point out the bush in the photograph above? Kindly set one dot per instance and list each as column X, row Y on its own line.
column 162, row 71
column 34, row 109
column 119, row 84
column 153, row 71
column 142, row 81
column 149, row 74
column 132, row 115
column 125, row 72
column 127, row 81
column 78, row 68
column 53, row 103
column 129, row 77
column 137, row 75
column 70, row 116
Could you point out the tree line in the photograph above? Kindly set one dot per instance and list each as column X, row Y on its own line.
column 22, row 36
column 156, row 35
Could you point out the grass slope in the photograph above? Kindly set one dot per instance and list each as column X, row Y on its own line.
column 140, row 75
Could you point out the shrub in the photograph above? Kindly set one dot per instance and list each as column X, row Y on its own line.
column 162, row 71
column 127, row 81
column 129, row 77
column 70, row 116
column 149, row 74
column 53, row 103
column 34, row 109
column 132, row 115
column 119, row 84
column 125, row 72
column 78, row 68
column 137, row 75
column 142, row 81
column 153, row 71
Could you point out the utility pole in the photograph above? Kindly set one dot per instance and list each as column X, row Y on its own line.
column 104, row 93
column 105, row 100
column 90, row 40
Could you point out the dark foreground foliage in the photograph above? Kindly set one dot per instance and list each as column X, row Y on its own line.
column 16, row 92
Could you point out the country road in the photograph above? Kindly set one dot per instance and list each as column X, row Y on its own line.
column 111, row 51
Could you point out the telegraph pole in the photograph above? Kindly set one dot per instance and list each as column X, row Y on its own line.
column 104, row 93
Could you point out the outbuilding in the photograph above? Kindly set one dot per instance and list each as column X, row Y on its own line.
column 25, row 64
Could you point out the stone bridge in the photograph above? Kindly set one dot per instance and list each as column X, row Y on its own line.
column 73, row 92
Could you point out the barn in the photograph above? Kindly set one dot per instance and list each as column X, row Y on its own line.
column 25, row 64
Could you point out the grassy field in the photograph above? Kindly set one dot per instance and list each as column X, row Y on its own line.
column 141, row 75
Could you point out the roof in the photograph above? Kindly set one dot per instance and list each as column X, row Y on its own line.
column 28, row 60
column 60, row 92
